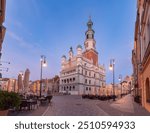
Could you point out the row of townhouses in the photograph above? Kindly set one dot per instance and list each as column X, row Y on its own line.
column 141, row 53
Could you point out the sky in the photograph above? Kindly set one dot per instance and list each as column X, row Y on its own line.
column 51, row 27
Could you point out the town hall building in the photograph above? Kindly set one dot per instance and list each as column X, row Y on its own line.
column 81, row 73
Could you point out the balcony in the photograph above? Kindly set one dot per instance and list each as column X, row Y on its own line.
column 147, row 54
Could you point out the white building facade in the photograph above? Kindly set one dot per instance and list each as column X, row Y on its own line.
column 81, row 73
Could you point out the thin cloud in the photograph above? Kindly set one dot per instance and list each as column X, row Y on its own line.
column 35, row 7
column 33, row 47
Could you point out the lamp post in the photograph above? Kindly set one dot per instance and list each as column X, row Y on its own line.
column 112, row 68
column 43, row 64
column 120, row 79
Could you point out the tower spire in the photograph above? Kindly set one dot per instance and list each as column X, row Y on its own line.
column 90, row 23
column 90, row 49
column 90, row 42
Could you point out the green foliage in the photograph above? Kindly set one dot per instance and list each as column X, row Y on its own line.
column 9, row 100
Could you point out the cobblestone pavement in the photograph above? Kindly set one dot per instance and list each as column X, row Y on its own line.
column 123, row 107
column 73, row 106
column 76, row 106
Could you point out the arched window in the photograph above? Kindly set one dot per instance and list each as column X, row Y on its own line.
column 73, row 87
column 147, row 90
column 73, row 79
column 87, row 88
column 87, row 36
column 70, row 79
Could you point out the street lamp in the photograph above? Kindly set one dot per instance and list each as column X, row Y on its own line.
column 43, row 64
column 13, row 86
column 112, row 68
column 120, row 79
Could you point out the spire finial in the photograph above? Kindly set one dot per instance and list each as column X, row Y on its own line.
column 90, row 23
column 71, row 48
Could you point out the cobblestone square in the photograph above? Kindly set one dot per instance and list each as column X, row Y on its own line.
column 68, row 105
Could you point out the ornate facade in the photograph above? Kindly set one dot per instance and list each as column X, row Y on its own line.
column 141, row 53
column 81, row 73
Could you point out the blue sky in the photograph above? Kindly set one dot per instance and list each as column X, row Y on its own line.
column 51, row 27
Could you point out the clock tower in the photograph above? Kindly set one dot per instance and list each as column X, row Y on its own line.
column 90, row 49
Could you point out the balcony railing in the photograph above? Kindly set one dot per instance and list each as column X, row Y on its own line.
column 147, row 54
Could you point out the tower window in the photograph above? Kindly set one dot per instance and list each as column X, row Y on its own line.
column 87, row 36
column 92, row 36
